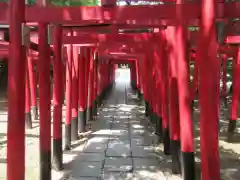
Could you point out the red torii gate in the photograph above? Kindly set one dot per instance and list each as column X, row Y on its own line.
column 133, row 15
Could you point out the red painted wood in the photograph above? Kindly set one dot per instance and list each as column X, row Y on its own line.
column 27, row 93
column 185, row 114
column 209, row 93
column 174, row 122
column 58, row 83
column 91, row 78
column 87, row 56
column 82, row 88
column 75, row 82
column 151, row 81
column 69, row 67
column 16, row 93
column 232, row 39
column 164, row 65
column 33, row 82
column 96, row 68
column 120, row 14
column 44, row 90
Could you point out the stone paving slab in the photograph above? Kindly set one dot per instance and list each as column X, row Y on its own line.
column 118, row 164
column 119, row 132
column 120, row 126
column 137, row 132
column 143, row 140
column 85, row 169
column 123, row 138
column 120, row 122
column 91, row 157
column 117, row 176
column 118, row 149
column 95, row 147
column 143, row 151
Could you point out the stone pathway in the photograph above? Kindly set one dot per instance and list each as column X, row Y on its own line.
column 121, row 145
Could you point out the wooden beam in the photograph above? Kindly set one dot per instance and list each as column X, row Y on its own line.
column 119, row 14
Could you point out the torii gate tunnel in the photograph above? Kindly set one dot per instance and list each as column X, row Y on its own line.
column 84, row 44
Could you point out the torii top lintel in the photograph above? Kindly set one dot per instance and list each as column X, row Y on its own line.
column 148, row 14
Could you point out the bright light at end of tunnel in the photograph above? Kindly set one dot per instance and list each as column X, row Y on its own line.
column 122, row 75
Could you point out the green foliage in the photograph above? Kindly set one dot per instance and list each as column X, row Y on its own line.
column 193, row 28
column 75, row 2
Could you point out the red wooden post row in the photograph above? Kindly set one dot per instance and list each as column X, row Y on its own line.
column 159, row 72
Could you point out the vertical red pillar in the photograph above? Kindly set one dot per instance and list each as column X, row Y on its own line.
column 131, row 75
column 235, row 97
column 101, row 81
column 16, row 93
column 157, row 97
column 95, row 89
column 28, row 116
column 33, row 87
column 68, row 97
column 141, row 76
column 152, row 95
column 145, row 88
column 185, row 110
column 74, row 122
column 64, row 79
column 87, row 70
column 209, row 94
column 57, row 98
column 173, row 102
column 82, row 94
column 164, row 66
column 43, row 66
column 134, row 75
column 139, row 79
column 149, row 84
column 154, row 90
column 159, row 122
column 137, row 74
column 91, row 85
column 44, row 102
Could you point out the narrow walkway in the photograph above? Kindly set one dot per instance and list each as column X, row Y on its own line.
column 121, row 145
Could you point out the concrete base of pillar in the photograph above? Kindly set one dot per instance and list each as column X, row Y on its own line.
column 81, row 121
column 188, row 165
column 74, row 129
column 146, row 109
column 166, row 141
column 28, row 120
column 45, row 164
column 57, row 155
column 67, row 137
column 231, row 128
column 176, row 155
column 158, row 129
